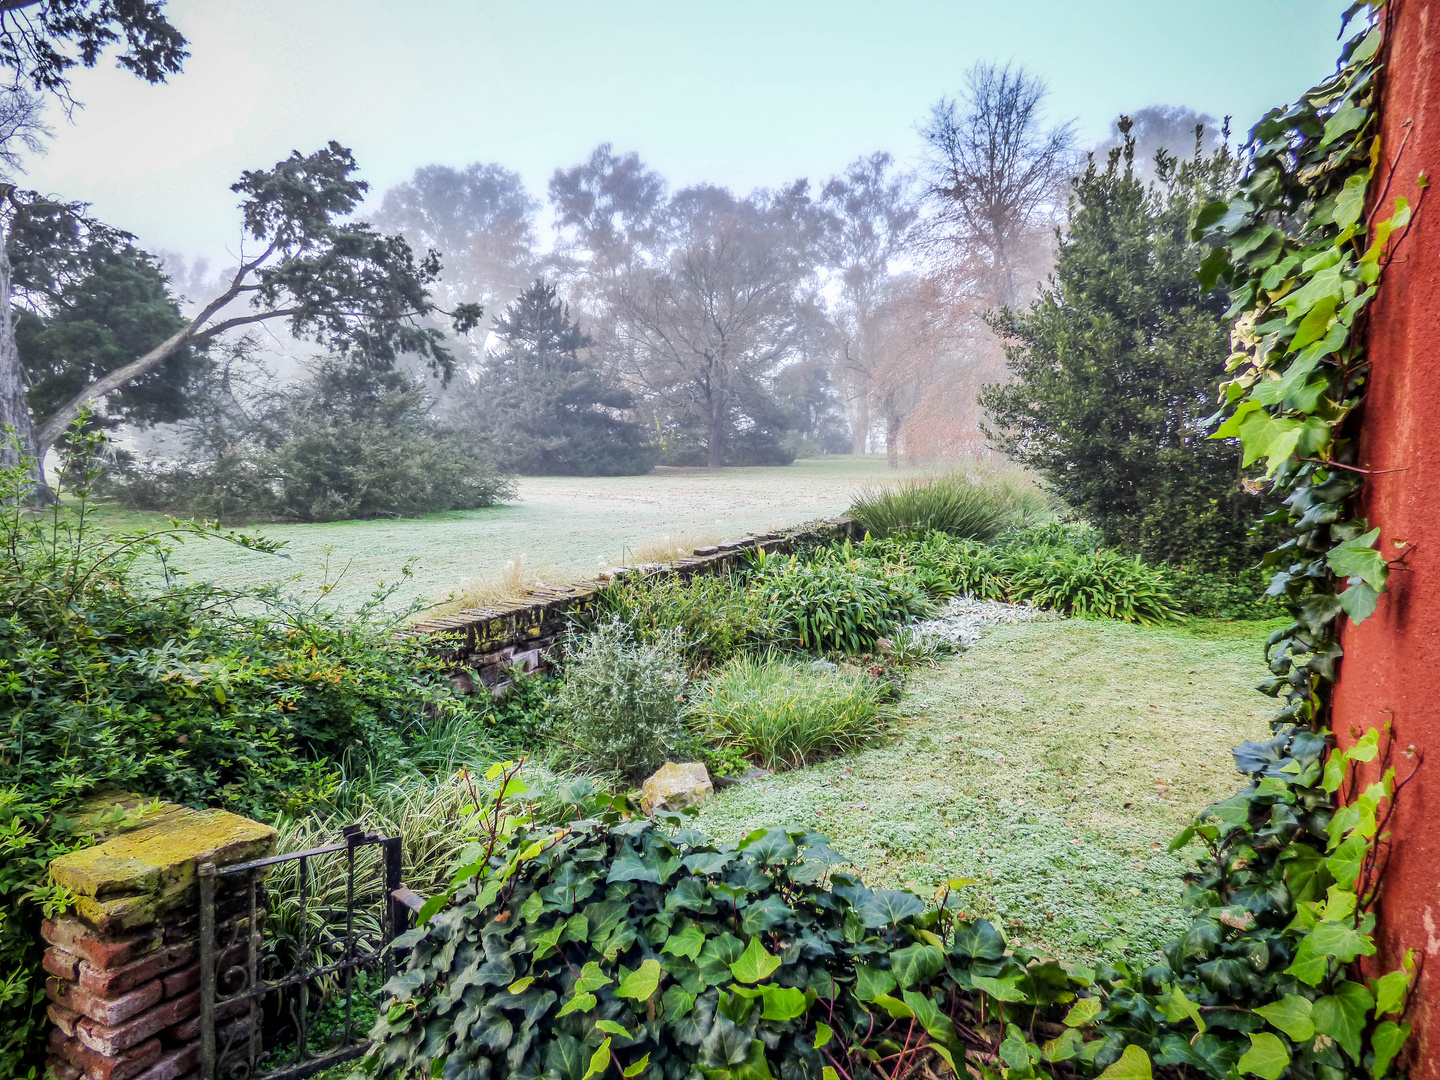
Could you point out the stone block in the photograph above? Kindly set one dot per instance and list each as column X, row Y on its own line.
column 63, row 1018
column 674, row 786
column 117, row 980
column 61, row 964
column 105, row 1010
column 112, row 1041
column 102, row 951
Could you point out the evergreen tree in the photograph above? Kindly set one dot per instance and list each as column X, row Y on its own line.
column 1116, row 367
column 549, row 412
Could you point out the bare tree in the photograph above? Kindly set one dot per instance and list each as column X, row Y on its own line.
column 711, row 312
column 995, row 180
column 22, row 131
column 868, row 214
column 481, row 217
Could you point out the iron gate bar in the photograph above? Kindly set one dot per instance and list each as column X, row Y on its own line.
column 255, row 989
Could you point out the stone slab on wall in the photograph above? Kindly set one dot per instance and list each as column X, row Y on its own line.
column 123, row 970
column 488, row 644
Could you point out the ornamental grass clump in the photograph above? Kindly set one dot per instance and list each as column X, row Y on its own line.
column 1090, row 584
column 783, row 714
column 621, row 702
column 957, row 504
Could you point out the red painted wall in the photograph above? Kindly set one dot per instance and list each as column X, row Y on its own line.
column 1391, row 669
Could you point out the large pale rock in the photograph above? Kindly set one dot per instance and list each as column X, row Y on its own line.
column 674, row 786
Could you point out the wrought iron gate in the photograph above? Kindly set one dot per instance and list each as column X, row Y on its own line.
column 282, row 1004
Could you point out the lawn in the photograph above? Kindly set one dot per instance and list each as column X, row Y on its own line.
column 1052, row 763
column 569, row 528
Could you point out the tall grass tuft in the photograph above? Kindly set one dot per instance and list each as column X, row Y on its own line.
column 783, row 714
column 1094, row 584
column 966, row 506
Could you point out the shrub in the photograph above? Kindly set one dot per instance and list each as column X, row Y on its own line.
column 957, row 504
column 836, row 601
column 570, row 952
column 711, row 615
column 1223, row 594
column 781, row 713
column 944, row 566
column 621, row 702
column 112, row 672
column 1102, row 583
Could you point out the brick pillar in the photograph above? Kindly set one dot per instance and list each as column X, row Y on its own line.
column 1391, row 669
column 123, row 971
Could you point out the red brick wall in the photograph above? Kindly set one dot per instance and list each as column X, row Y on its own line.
column 1391, row 669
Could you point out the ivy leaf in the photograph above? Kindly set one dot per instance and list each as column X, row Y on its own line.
column 687, row 943
column 916, row 964
column 755, row 963
column 1346, row 120
column 1315, row 323
column 717, row 956
column 1327, row 941
column 1065, row 1047
column 1387, row 1040
column 1000, row 989
column 629, row 866
column 1015, row 1050
column 886, row 907
column 1359, row 601
column 565, row 1058
column 1134, row 1064
column 1291, row 1014
column 978, row 941
column 1351, row 202
column 1267, row 1057
column 641, row 983
column 1390, row 992
column 578, row 1003
column 764, row 915
column 599, row 1061
column 612, row 1028
column 519, row 986
column 591, row 978
column 639, row 1067
column 1348, row 860
column 1176, row 1007
column 823, row 1034
column 1358, row 558
column 944, row 1052
column 783, row 1003
column 770, row 845
column 1342, row 1016
column 897, row 1009
column 532, row 907
column 936, row 1024
column 1083, row 1011
column 871, row 982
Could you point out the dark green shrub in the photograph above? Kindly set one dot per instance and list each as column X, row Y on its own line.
column 621, row 701
column 1223, row 594
column 1102, row 583
column 836, row 602
column 784, row 714
column 713, row 615
column 960, row 505
column 607, row 946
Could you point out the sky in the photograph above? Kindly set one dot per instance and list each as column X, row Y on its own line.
column 744, row 93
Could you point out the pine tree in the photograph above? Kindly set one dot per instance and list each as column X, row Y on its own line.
column 548, row 411
column 1116, row 366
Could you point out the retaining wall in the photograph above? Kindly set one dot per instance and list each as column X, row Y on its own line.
column 487, row 645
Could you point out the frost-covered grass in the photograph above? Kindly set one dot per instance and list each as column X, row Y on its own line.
column 1053, row 762
column 567, row 528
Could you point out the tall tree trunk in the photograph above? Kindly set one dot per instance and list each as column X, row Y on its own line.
column 715, row 436
column 860, row 433
column 14, row 409
column 892, row 438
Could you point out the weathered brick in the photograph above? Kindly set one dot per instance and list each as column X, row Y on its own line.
column 61, row 964
column 116, row 981
column 122, row 1066
column 182, row 979
column 99, row 951
column 174, row 1064
column 61, row 1069
column 64, row 1019
column 113, row 1040
column 109, row 1011
column 190, row 1029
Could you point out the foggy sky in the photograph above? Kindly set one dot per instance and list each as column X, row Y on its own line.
column 738, row 93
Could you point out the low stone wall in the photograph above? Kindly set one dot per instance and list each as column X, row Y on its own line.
column 488, row 644
column 123, row 971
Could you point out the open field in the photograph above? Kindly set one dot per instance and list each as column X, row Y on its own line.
column 568, row 528
column 1052, row 763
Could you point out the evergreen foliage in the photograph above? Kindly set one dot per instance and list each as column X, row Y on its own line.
column 549, row 411
column 1115, row 367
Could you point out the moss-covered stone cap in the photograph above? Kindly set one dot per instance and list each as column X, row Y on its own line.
column 162, row 853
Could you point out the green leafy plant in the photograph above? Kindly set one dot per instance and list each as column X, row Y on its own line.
column 621, row 701
column 837, row 601
column 781, row 713
column 1099, row 584
column 713, row 615
column 969, row 507
column 619, row 945
column 943, row 565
